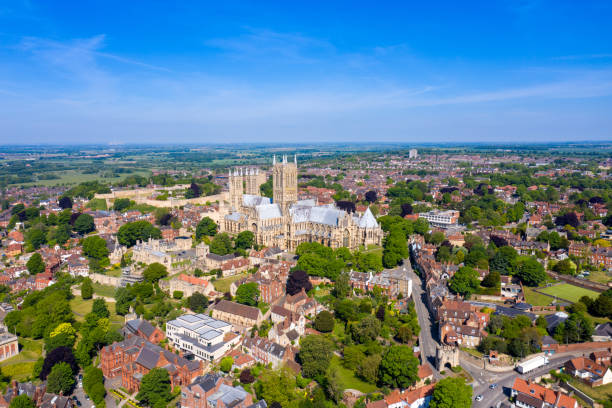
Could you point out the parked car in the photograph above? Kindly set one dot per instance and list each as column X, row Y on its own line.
column 479, row 397
column 493, row 386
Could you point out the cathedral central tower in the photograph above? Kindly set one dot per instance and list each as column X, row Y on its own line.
column 284, row 183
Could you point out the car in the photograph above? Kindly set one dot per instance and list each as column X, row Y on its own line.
column 479, row 397
column 87, row 397
column 493, row 386
column 78, row 403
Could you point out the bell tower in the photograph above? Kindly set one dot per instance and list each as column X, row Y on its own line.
column 236, row 188
column 284, row 183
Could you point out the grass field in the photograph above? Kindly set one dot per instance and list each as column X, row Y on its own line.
column 29, row 350
column 73, row 177
column 600, row 277
column 18, row 371
column 348, row 378
column 569, row 292
column 603, row 392
column 104, row 290
column 81, row 307
column 223, row 285
column 536, row 299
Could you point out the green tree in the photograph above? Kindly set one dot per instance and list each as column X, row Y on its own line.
column 22, row 401
column 206, row 227
column 315, row 356
column 464, row 281
column 37, row 237
column 154, row 272
column 226, row 364
column 84, row 224
column 451, row 393
column 245, row 240
column 99, row 309
column 248, row 294
column 197, row 302
column 492, row 280
column 368, row 369
column 531, row 272
column 95, row 247
column 221, row 244
column 133, row 232
column 121, row 204
column 155, row 388
column 324, row 322
column 342, row 286
column 367, row 329
column 86, row 289
column 60, row 379
column 334, row 384
column 398, row 367
column 395, row 248
column 35, row 264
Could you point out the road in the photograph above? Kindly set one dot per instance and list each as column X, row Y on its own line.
column 505, row 380
column 427, row 341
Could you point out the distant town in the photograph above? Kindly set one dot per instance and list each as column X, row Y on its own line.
column 306, row 276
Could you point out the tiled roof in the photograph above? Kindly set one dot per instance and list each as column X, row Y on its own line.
column 234, row 308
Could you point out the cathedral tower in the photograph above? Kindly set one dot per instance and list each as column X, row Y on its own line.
column 236, row 188
column 284, row 183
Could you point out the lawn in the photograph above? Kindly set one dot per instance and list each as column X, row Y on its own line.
column 19, row 371
column 29, row 350
column 600, row 277
column 535, row 298
column 603, row 392
column 569, row 292
column 81, row 307
column 104, row 290
column 348, row 378
column 223, row 285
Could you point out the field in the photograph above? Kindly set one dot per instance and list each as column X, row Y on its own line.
column 535, row 298
column 73, row 177
column 349, row 380
column 600, row 277
column 223, row 285
column 568, row 292
column 20, row 366
column 81, row 307
column 603, row 392
column 104, row 290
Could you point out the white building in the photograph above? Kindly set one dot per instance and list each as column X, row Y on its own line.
column 413, row 154
column 204, row 337
column 441, row 219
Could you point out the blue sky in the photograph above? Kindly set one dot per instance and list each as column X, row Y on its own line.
column 223, row 72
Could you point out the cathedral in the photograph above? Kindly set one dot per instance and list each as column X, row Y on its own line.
column 285, row 221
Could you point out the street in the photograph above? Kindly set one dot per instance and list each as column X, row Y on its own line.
column 427, row 342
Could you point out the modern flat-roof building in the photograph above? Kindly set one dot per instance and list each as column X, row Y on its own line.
column 441, row 219
column 201, row 336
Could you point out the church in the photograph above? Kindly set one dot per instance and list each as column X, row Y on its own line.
column 285, row 221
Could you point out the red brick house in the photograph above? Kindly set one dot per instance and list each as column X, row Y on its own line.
column 134, row 357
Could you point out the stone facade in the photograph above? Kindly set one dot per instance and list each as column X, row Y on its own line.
column 285, row 221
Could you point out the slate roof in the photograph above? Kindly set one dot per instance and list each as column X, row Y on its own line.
column 604, row 329
column 249, row 200
column 367, row 220
column 267, row 211
column 139, row 324
column 248, row 312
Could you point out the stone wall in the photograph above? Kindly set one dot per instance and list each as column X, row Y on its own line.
column 105, row 279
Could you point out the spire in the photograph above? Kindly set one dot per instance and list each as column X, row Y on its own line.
column 284, row 159
column 295, row 158
column 274, row 159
